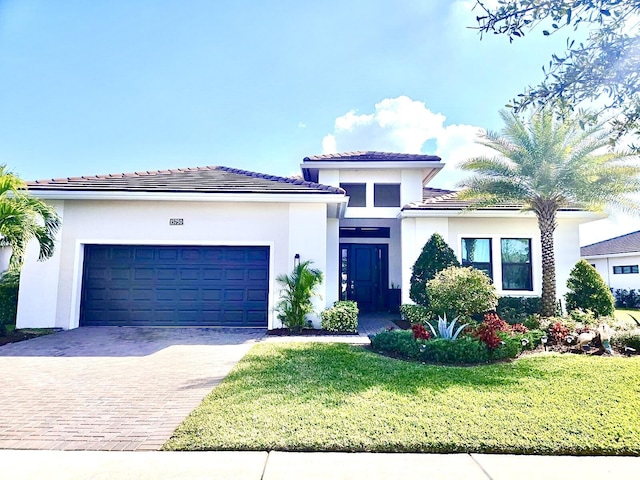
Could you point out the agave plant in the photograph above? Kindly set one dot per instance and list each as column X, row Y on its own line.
column 445, row 329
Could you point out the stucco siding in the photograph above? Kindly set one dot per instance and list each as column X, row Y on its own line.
column 56, row 284
column 416, row 231
column 605, row 267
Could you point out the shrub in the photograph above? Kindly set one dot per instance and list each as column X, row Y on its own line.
column 487, row 331
column 626, row 339
column 415, row 313
column 342, row 317
column 532, row 322
column 626, row 298
column 558, row 332
column 510, row 347
column 588, row 291
column 420, row 332
column 461, row 292
column 585, row 317
column 401, row 342
column 517, row 309
column 459, row 351
column 8, row 301
column 296, row 294
column 534, row 338
column 436, row 255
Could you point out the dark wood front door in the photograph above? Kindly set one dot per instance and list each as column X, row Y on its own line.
column 365, row 275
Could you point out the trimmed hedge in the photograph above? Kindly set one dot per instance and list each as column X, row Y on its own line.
column 342, row 317
column 626, row 339
column 400, row 342
column 517, row 309
column 459, row 351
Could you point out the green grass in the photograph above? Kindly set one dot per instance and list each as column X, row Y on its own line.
column 336, row 397
column 623, row 313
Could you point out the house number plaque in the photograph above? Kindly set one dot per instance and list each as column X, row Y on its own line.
column 176, row 221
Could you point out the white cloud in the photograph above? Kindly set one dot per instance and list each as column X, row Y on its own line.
column 398, row 125
column 403, row 125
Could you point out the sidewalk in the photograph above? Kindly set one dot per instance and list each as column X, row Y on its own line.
column 93, row 465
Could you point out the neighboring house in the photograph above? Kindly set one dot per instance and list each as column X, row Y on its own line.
column 617, row 260
column 203, row 246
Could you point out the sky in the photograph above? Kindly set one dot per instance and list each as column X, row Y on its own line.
column 118, row 86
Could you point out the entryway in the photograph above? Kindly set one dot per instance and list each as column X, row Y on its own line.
column 364, row 275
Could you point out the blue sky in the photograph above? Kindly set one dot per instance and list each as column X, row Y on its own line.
column 112, row 86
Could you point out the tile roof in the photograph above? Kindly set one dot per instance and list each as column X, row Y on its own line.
column 439, row 199
column 209, row 179
column 628, row 243
column 369, row 156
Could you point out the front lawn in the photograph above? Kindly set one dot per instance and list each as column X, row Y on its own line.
column 317, row 397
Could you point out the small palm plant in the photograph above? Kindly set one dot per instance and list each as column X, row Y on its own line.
column 296, row 295
column 445, row 329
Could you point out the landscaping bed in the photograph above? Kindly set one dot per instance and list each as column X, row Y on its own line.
column 13, row 336
column 337, row 397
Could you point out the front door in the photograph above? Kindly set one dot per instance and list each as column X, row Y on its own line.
column 365, row 275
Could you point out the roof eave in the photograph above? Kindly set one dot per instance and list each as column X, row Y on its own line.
column 272, row 197
column 486, row 213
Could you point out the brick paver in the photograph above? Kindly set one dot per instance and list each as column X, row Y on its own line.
column 111, row 388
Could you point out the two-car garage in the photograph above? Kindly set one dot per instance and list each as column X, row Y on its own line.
column 167, row 285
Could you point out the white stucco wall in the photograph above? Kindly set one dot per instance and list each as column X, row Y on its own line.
column 416, row 232
column 605, row 265
column 5, row 255
column 50, row 291
column 410, row 181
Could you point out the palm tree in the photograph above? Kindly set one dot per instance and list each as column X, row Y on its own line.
column 297, row 293
column 24, row 218
column 547, row 164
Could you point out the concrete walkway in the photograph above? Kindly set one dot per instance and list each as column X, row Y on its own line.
column 53, row 465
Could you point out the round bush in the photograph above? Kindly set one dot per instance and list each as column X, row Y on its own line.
column 588, row 291
column 461, row 292
column 342, row 317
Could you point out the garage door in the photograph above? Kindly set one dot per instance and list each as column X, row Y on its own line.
column 175, row 286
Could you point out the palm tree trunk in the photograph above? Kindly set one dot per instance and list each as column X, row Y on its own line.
column 547, row 225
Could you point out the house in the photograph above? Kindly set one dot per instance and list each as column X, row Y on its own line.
column 617, row 260
column 203, row 246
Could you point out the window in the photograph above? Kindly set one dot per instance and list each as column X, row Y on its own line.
column 386, row 195
column 357, row 193
column 516, row 264
column 365, row 232
column 476, row 253
column 625, row 269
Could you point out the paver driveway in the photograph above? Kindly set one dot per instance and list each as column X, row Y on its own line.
column 111, row 388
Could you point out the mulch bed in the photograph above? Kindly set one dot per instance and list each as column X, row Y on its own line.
column 305, row 332
column 24, row 334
